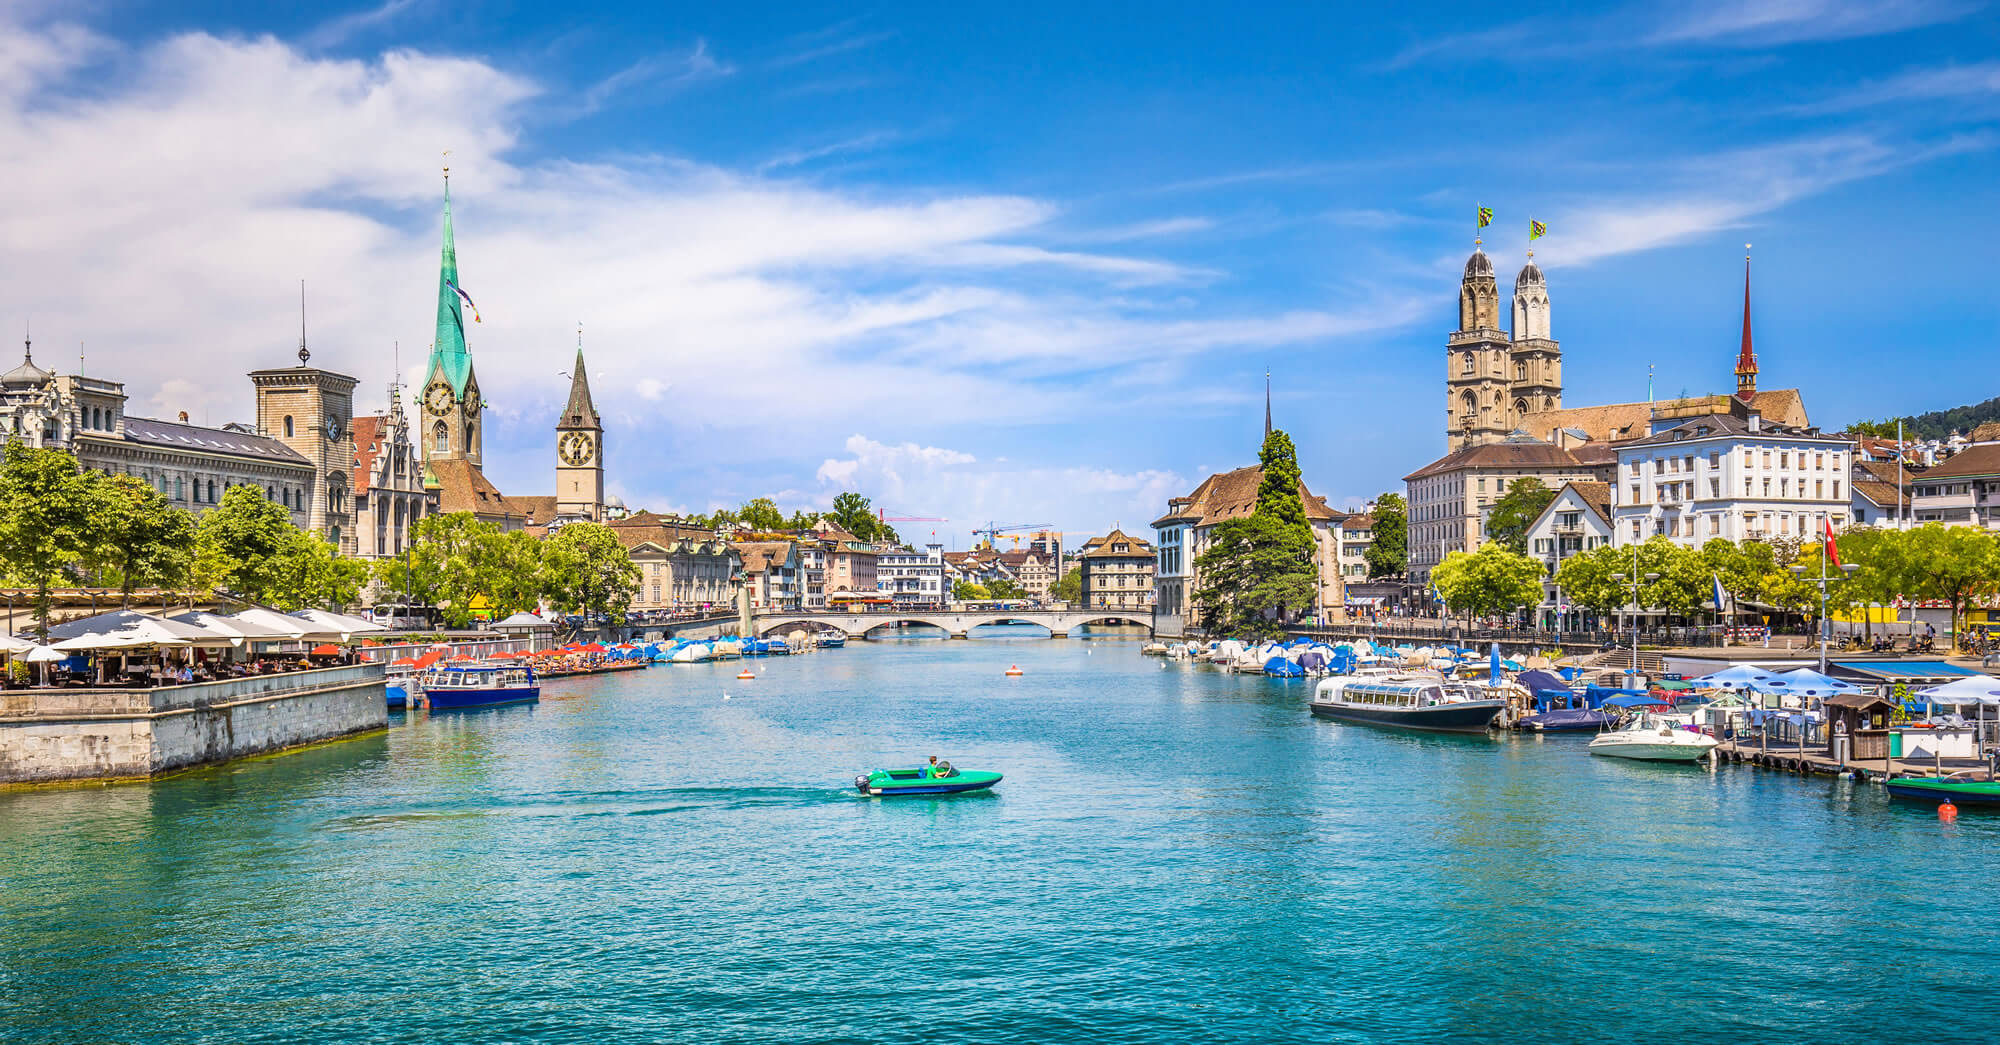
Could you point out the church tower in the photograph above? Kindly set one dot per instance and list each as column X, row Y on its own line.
column 1477, row 410
column 1746, row 357
column 579, row 452
column 450, row 429
column 1535, row 367
column 312, row 411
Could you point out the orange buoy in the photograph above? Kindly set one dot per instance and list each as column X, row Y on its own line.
column 1947, row 812
column 746, row 673
column 1013, row 669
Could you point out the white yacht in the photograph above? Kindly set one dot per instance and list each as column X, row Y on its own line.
column 1654, row 738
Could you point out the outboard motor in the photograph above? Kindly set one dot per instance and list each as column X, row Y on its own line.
column 861, row 782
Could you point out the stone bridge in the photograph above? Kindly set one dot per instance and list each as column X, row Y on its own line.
column 956, row 623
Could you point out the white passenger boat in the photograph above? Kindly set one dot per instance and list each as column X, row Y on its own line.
column 1654, row 738
column 1409, row 701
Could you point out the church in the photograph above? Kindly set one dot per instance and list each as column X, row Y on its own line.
column 453, row 430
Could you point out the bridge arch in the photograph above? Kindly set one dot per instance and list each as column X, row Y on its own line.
column 805, row 624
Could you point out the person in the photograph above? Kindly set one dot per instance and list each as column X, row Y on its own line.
column 932, row 769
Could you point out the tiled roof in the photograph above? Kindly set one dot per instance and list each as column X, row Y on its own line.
column 1513, row 455
column 1724, row 424
column 1614, row 421
column 1101, row 548
column 536, row 508
column 368, row 430
column 173, row 435
column 758, row 556
column 462, row 487
column 1358, row 522
column 1982, row 459
column 1233, row 495
column 1883, row 494
column 634, row 531
column 1595, row 494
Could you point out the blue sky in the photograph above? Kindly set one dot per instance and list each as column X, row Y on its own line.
column 1024, row 265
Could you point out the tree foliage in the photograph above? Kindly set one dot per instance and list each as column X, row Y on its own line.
column 1068, row 587
column 137, row 536
column 1005, row 588
column 587, row 569
column 1495, row 579
column 249, row 537
column 45, row 519
column 964, row 590
column 1508, row 520
column 1389, row 552
column 1260, row 570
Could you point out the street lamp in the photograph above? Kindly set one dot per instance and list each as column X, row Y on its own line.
column 1650, row 577
column 1825, row 626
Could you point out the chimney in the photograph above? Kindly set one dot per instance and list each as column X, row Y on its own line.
column 1756, row 422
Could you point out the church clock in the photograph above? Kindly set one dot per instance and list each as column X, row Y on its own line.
column 574, row 448
column 437, row 398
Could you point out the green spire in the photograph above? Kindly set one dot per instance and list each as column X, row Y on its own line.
column 448, row 351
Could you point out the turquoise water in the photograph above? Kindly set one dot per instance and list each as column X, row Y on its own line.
column 1176, row 855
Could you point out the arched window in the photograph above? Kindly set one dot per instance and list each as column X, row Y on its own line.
column 1520, row 407
column 96, row 418
column 1520, row 371
column 288, row 427
column 1469, row 401
column 1467, row 367
column 441, row 438
column 211, row 491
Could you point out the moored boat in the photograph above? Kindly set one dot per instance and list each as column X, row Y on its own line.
column 1568, row 720
column 1654, row 738
column 1425, row 702
column 454, row 687
column 1934, row 789
column 941, row 779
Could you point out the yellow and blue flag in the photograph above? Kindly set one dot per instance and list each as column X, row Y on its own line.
column 1485, row 216
column 1536, row 230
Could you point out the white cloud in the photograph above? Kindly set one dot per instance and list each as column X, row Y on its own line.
column 1759, row 23
column 1915, row 85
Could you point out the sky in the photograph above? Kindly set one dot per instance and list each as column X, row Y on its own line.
column 1023, row 263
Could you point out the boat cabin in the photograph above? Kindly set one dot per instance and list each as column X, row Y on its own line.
column 479, row 677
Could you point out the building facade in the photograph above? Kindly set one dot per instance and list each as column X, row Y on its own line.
column 389, row 493
column 1184, row 533
column 1450, row 498
column 579, row 452
column 773, row 573
column 1116, row 573
column 1577, row 520
column 312, row 410
column 1961, row 490
column 915, row 579
column 1737, row 478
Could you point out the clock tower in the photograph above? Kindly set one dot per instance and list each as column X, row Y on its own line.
column 312, row 411
column 450, row 428
column 579, row 452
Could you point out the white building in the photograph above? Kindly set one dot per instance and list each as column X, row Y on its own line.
column 1576, row 521
column 915, row 579
column 1729, row 476
column 1450, row 498
column 1962, row 490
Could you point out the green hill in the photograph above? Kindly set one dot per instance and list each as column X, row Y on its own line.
column 1935, row 425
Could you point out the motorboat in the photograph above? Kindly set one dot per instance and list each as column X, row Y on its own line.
column 452, row 687
column 1654, row 738
column 1408, row 701
column 831, row 640
column 1154, row 649
column 940, row 779
column 1941, row 790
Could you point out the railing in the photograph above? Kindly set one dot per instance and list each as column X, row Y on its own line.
column 60, row 702
column 1706, row 635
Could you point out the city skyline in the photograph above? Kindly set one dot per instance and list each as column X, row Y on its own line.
column 796, row 276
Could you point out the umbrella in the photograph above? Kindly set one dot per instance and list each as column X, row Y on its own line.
column 340, row 622
column 1972, row 689
column 1813, row 684
column 44, row 655
column 1740, row 676
column 327, row 650
column 12, row 645
column 132, row 628
column 115, row 640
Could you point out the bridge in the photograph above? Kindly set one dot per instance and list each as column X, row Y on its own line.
column 956, row 623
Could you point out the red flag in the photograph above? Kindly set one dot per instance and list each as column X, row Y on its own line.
column 1832, row 550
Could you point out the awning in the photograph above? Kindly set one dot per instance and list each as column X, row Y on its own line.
column 1364, row 600
column 1890, row 672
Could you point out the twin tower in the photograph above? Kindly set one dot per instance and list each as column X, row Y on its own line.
column 1494, row 380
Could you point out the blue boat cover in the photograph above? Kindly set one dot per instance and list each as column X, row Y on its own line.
column 1538, row 680
column 1283, row 668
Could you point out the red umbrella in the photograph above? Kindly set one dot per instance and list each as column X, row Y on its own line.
column 593, row 648
column 402, row 662
column 327, row 650
column 464, row 656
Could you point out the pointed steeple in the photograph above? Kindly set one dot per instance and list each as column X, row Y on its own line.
column 1746, row 359
column 581, row 412
column 448, row 352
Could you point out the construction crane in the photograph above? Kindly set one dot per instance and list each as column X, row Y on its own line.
column 993, row 532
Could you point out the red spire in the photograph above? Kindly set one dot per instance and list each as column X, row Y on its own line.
column 1746, row 361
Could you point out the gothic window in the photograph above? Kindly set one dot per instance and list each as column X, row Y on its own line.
column 1520, row 407
column 288, row 427
column 441, row 438
column 1470, row 401
column 470, row 428
column 1520, row 371
column 1466, row 368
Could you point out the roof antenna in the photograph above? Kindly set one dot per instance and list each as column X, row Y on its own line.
column 28, row 339
column 303, row 354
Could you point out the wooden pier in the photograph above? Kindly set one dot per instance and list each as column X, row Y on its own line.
column 1813, row 760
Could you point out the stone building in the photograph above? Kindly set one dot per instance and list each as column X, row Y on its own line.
column 1448, row 500
column 389, row 493
column 579, row 452
column 312, row 410
column 683, row 570
column 1494, row 379
column 1116, row 573
column 914, row 579
column 1733, row 476
column 773, row 573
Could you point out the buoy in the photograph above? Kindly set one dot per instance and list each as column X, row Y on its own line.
column 746, row 673
column 1947, row 812
column 1013, row 669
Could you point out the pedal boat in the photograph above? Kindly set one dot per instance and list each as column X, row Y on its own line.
column 886, row 783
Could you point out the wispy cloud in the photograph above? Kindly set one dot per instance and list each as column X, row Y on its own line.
column 1293, row 172
column 801, row 157
column 1950, row 81
column 1762, row 23
column 1156, row 229
column 336, row 31
column 659, row 72
column 827, row 48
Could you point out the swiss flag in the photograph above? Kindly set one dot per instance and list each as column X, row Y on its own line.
column 1832, row 550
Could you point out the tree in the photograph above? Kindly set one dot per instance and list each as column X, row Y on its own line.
column 312, row 572
column 137, row 534
column 1516, row 510
column 802, row 520
column 1586, row 580
column 1005, row 588
column 762, row 515
column 1952, row 564
column 248, row 538
column 588, row 570
column 964, row 590
column 1495, row 579
column 515, row 576
column 1261, row 569
column 45, row 520
column 1389, row 552
column 447, row 564
column 1068, row 588
column 851, row 512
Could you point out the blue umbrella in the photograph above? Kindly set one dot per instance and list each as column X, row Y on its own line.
column 1493, row 665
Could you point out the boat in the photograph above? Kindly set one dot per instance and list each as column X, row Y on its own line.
column 1936, row 789
column 1279, row 667
column 831, row 640
column 1426, row 702
column 1568, row 720
column 398, row 688
column 1154, row 649
column 1654, row 738
column 451, row 687
column 941, row 779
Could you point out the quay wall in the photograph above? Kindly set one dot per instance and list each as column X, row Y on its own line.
column 100, row 734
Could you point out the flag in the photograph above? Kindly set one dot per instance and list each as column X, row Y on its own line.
column 1485, row 216
column 1832, row 549
column 1536, row 230
column 1719, row 594
column 467, row 298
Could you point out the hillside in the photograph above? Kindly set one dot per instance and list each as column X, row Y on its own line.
column 1935, row 425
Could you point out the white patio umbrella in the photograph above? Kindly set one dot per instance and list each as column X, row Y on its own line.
column 44, row 655
column 237, row 627
column 13, row 646
column 288, row 627
column 147, row 629
column 339, row 622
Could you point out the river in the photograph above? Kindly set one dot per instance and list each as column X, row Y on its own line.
column 1175, row 855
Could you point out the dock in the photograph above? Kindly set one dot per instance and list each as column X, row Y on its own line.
column 1813, row 760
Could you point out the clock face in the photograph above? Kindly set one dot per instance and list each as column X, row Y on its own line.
column 437, row 399
column 574, row 448
column 333, row 428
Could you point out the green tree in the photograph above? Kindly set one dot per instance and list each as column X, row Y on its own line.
column 1068, row 587
column 802, row 520
column 247, row 538
column 762, row 515
column 513, row 575
column 1586, row 579
column 1495, row 579
column 312, row 572
column 137, row 535
column 1508, row 521
column 1261, row 569
column 963, row 590
column 1952, row 564
column 45, row 520
column 1005, row 588
column 448, row 563
column 852, row 512
column 1389, row 553
column 588, row 570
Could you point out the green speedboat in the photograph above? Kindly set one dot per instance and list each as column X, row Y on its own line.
column 941, row 779
column 1957, row 792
